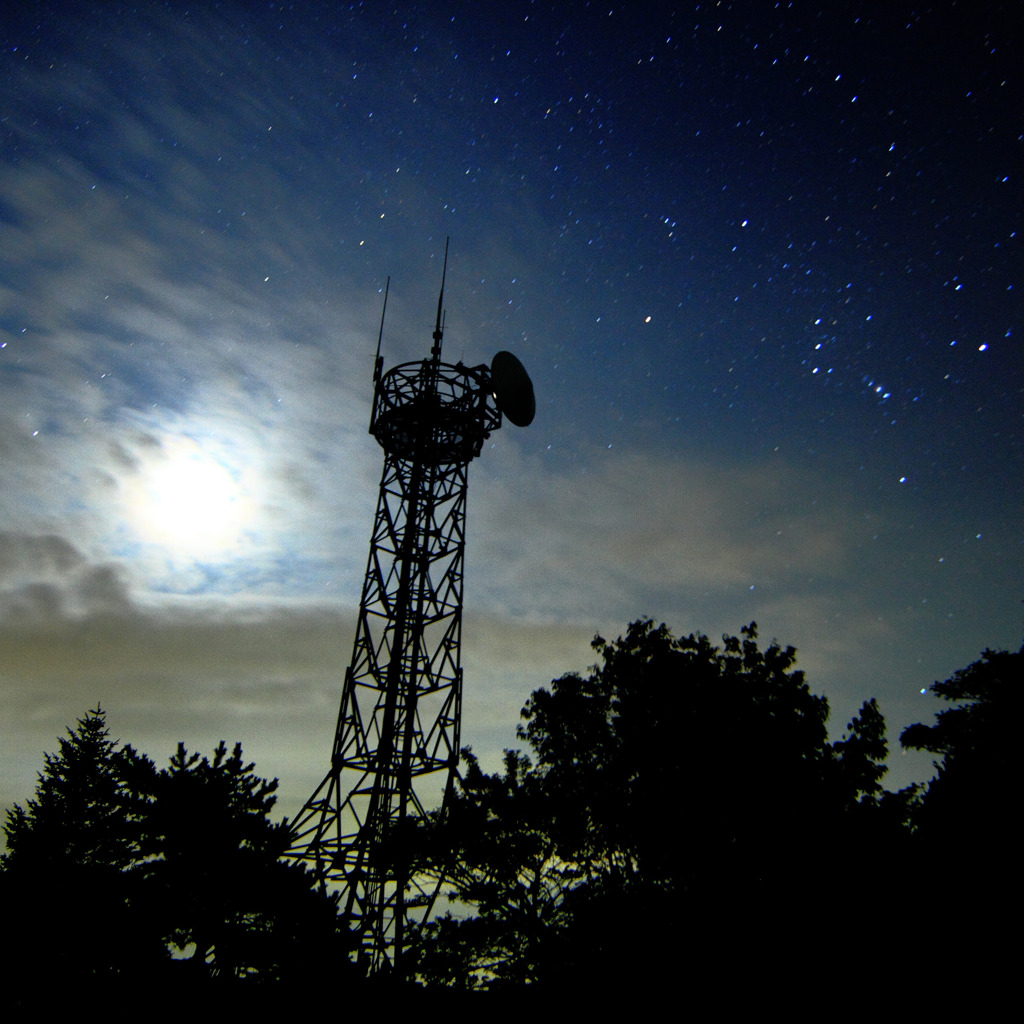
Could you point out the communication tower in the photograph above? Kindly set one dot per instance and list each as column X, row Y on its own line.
column 396, row 746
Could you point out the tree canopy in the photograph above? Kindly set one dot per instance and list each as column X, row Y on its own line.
column 119, row 872
column 965, row 840
column 975, row 739
column 680, row 817
column 679, row 781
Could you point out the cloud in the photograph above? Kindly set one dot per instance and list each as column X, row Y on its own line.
column 44, row 580
column 631, row 525
column 265, row 672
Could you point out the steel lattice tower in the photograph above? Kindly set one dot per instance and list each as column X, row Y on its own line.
column 396, row 745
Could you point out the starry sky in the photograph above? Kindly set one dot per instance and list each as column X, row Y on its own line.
column 762, row 261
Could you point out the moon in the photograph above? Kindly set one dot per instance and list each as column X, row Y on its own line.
column 187, row 499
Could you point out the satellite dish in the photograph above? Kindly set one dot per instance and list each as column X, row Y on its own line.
column 513, row 389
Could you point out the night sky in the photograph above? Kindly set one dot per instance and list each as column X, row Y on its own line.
column 763, row 262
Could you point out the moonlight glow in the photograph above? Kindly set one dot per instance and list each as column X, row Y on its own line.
column 190, row 502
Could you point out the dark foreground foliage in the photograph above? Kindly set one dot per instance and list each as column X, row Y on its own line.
column 128, row 878
column 682, row 810
column 681, row 824
column 965, row 878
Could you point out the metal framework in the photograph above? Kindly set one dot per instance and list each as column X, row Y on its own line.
column 396, row 745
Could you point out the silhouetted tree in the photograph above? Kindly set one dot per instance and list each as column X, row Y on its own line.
column 115, row 870
column 213, row 874
column 685, row 801
column 498, row 843
column 70, row 899
column 81, row 812
column 965, row 861
column 976, row 739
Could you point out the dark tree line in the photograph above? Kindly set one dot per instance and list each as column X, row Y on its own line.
column 126, row 877
column 964, row 867
column 682, row 809
column 681, row 820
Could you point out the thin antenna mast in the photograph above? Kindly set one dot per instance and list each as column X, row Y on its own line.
column 435, row 352
column 378, row 362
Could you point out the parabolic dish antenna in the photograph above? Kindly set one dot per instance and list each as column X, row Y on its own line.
column 513, row 389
